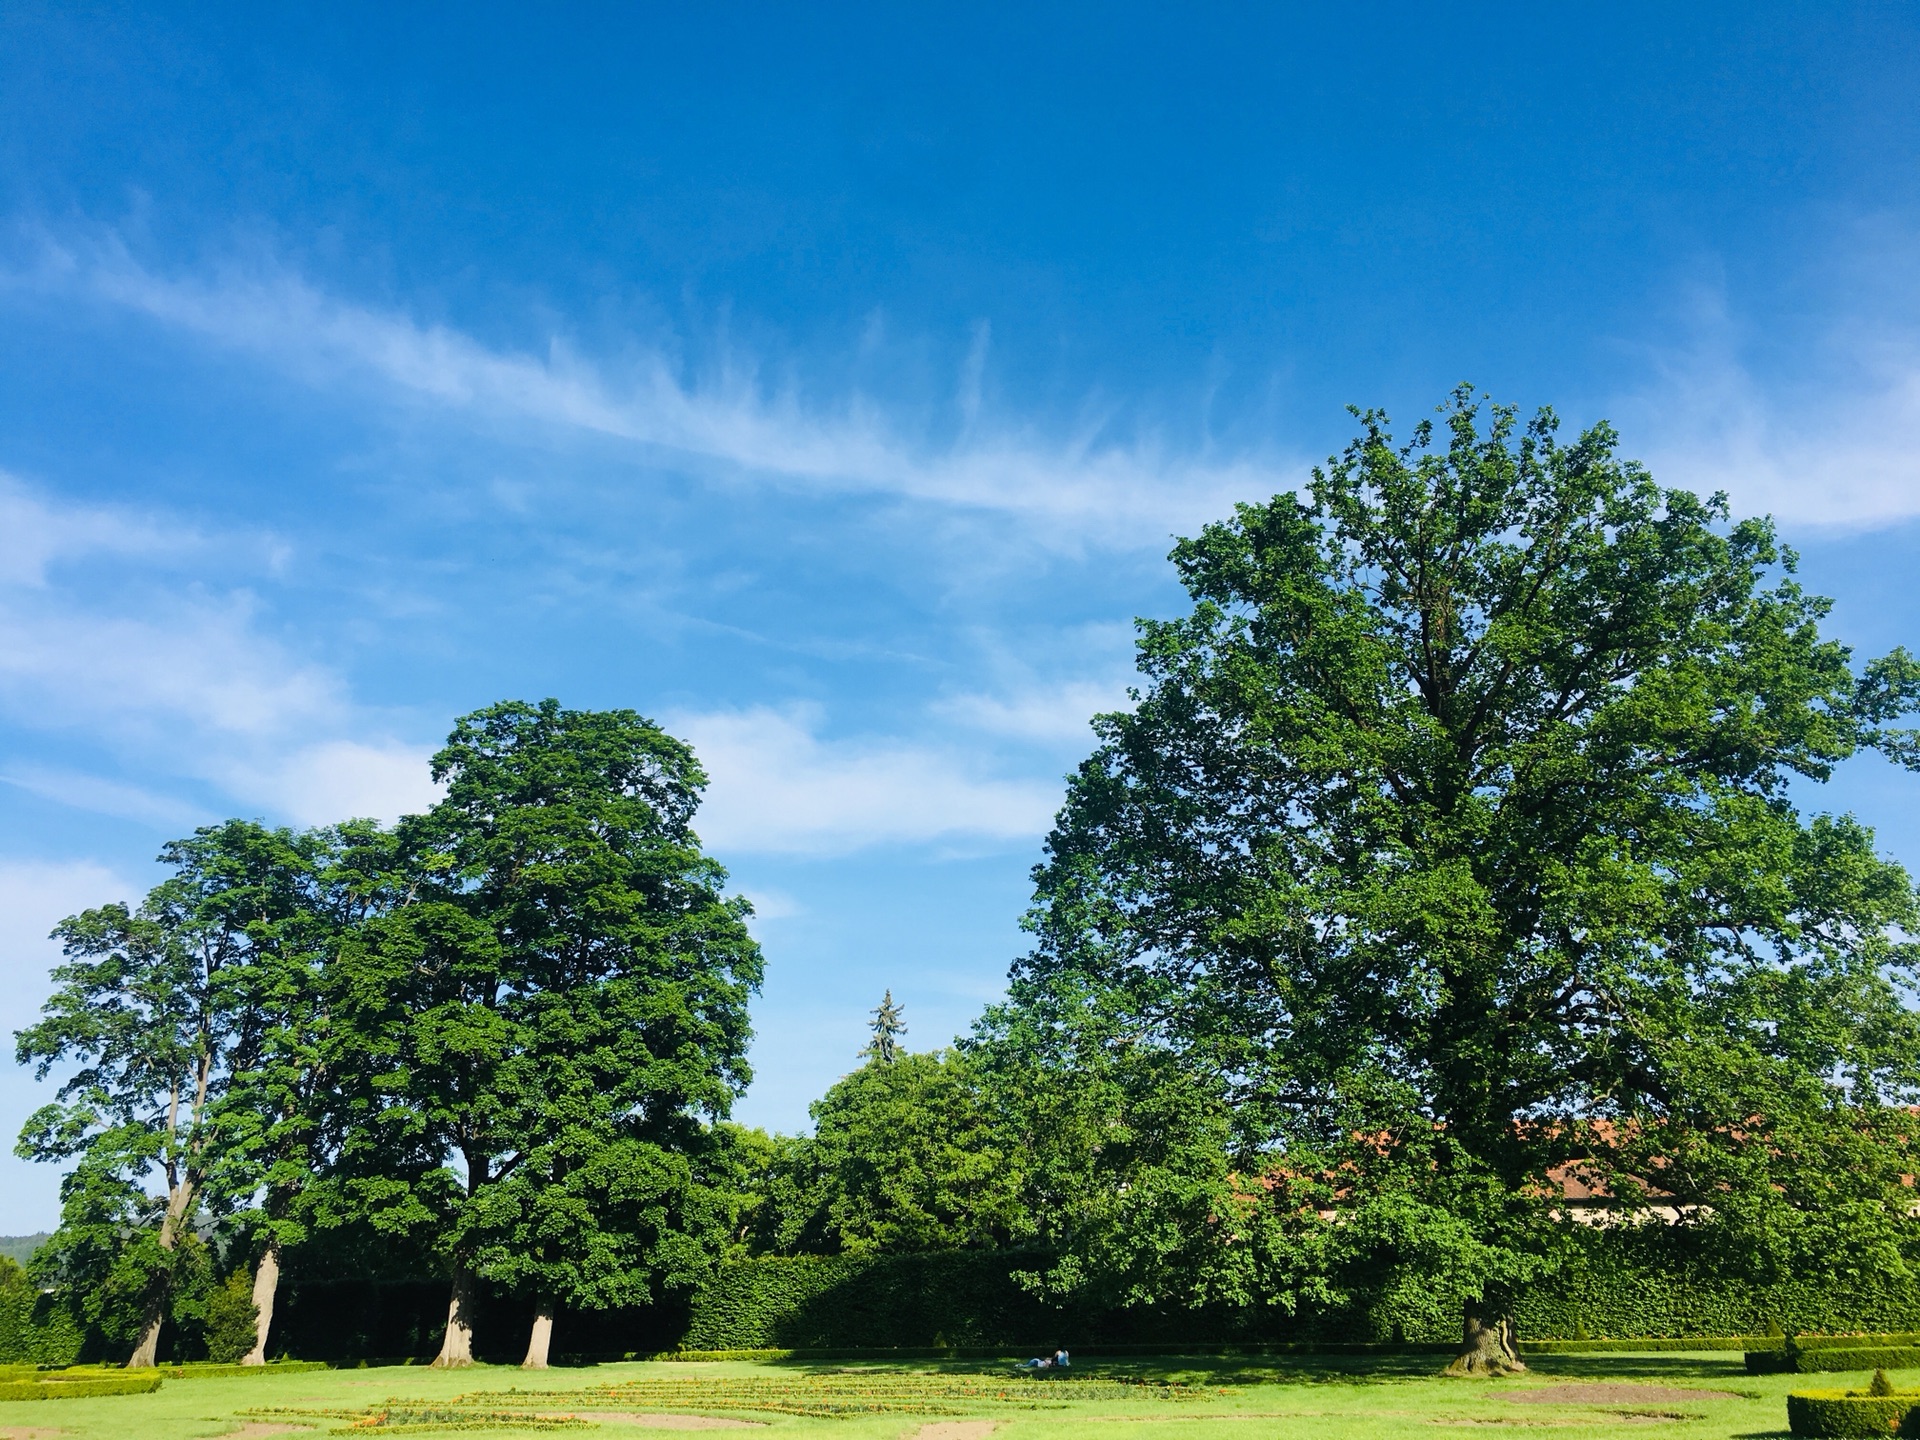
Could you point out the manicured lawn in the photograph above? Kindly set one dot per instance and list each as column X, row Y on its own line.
column 1705, row 1396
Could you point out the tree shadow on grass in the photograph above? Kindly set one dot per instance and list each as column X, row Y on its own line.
column 1299, row 1369
column 1612, row 1366
column 1166, row 1369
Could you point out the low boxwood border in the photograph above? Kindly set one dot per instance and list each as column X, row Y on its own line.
column 208, row 1370
column 1603, row 1347
column 1796, row 1360
column 56, row 1388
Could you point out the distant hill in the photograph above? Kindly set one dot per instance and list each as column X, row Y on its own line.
column 20, row 1247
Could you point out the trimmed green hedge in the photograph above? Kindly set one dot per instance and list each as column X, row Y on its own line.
column 1847, row 1342
column 1814, row 1360
column 53, row 1387
column 1689, row 1342
column 1851, row 1413
column 208, row 1370
column 1631, row 1284
column 1622, row 1287
column 32, row 1328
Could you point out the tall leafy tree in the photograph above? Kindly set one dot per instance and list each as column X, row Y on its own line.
column 294, row 895
column 1455, row 832
column 557, row 1006
column 906, row 1154
column 151, row 1006
column 1126, row 1155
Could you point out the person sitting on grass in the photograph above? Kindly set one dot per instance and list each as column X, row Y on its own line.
column 1059, row 1360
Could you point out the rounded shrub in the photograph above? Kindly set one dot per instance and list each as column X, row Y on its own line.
column 1853, row 1413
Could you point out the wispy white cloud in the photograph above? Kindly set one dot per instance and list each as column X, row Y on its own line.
column 339, row 780
column 81, row 791
column 169, row 660
column 35, row 535
column 779, row 787
column 177, row 674
column 771, row 905
column 1050, row 714
column 1129, row 490
column 1817, row 425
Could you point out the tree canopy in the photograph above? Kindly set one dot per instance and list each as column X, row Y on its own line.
column 1457, row 831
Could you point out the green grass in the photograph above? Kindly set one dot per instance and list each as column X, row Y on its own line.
column 1293, row 1398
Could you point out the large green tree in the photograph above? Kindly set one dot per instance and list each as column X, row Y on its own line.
column 294, row 895
column 537, row 1037
column 906, row 1154
column 1456, row 831
column 156, row 1009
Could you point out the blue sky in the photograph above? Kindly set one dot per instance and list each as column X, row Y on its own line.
column 828, row 383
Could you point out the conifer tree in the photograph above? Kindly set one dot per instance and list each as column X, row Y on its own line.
column 888, row 1026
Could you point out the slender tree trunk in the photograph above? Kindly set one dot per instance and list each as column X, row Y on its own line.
column 541, row 1338
column 1488, row 1345
column 146, row 1352
column 456, row 1350
column 266, row 1285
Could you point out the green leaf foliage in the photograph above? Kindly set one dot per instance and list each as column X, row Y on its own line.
column 230, row 1319
column 903, row 1157
column 1625, row 1294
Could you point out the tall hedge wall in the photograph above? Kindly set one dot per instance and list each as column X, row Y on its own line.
column 1614, row 1292
column 32, row 1331
column 1623, row 1285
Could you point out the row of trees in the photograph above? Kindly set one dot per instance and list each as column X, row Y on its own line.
column 508, row 1026
column 1449, row 853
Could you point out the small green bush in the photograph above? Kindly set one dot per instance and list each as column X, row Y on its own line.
column 1848, row 1413
column 232, row 1318
column 56, row 1387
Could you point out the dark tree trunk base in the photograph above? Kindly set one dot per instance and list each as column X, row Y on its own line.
column 1487, row 1347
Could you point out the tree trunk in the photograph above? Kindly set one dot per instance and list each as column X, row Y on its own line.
column 266, row 1285
column 1488, row 1345
column 456, row 1350
column 541, row 1338
column 146, row 1353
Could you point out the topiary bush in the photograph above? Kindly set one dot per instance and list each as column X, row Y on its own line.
column 1850, row 1413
